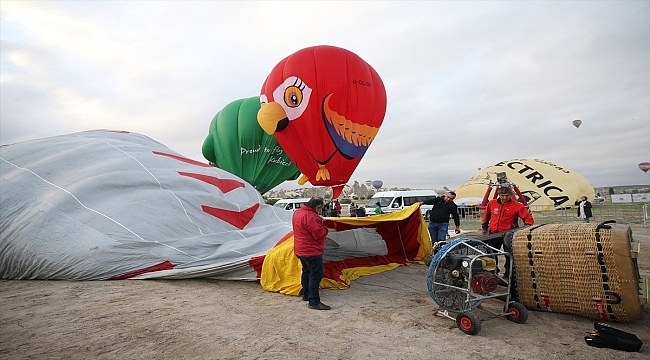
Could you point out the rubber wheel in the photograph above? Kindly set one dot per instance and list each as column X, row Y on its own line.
column 519, row 313
column 468, row 323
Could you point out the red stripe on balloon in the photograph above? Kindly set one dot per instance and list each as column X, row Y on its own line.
column 285, row 238
column 256, row 263
column 165, row 265
column 225, row 185
column 183, row 159
column 238, row 219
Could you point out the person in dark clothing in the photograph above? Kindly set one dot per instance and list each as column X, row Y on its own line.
column 443, row 209
column 336, row 208
column 361, row 211
column 584, row 209
column 327, row 209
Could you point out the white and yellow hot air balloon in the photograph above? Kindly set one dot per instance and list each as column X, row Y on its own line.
column 545, row 185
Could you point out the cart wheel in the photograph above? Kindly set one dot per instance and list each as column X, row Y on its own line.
column 468, row 323
column 519, row 313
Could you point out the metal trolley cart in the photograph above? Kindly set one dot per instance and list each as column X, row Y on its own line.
column 463, row 274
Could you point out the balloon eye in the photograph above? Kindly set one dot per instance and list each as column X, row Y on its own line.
column 292, row 96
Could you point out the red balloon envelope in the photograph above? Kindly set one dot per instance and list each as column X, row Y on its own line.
column 324, row 105
column 644, row 166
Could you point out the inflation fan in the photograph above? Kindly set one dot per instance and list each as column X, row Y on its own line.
column 463, row 274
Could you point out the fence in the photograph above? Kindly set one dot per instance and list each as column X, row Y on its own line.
column 634, row 213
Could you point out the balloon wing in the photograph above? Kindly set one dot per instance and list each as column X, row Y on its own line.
column 236, row 143
column 324, row 105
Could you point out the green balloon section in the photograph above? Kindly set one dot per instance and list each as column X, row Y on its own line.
column 236, row 143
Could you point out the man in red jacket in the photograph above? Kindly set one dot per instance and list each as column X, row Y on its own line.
column 502, row 214
column 309, row 235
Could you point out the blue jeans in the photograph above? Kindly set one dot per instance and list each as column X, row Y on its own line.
column 438, row 231
column 312, row 274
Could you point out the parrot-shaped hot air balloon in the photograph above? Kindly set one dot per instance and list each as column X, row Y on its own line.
column 324, row 105
column 236, row 143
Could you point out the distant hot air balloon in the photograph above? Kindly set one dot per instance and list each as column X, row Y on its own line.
column 324, row 105
column 368, row 182
column 377, row 184
column 236, row 143
column 479, row 169
column 577, row 123
column 644, row 166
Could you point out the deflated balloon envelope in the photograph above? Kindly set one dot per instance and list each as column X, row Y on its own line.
column 116, row 205
column 236, row 143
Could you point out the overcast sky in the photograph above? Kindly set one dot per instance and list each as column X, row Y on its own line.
column 469, row 84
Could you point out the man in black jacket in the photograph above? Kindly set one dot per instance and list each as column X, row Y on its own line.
column 443, row 208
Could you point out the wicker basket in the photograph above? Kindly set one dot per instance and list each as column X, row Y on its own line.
column 579, row 269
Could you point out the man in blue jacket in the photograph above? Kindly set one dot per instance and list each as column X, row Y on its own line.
column 444, row 208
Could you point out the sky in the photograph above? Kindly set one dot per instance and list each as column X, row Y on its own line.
column 469, row 84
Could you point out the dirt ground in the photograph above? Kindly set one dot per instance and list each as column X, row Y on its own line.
column 383, row 316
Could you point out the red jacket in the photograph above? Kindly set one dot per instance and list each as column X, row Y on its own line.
column 502, row 217
column 309, row 233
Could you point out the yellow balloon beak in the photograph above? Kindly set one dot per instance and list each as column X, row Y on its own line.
column 269, row 116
